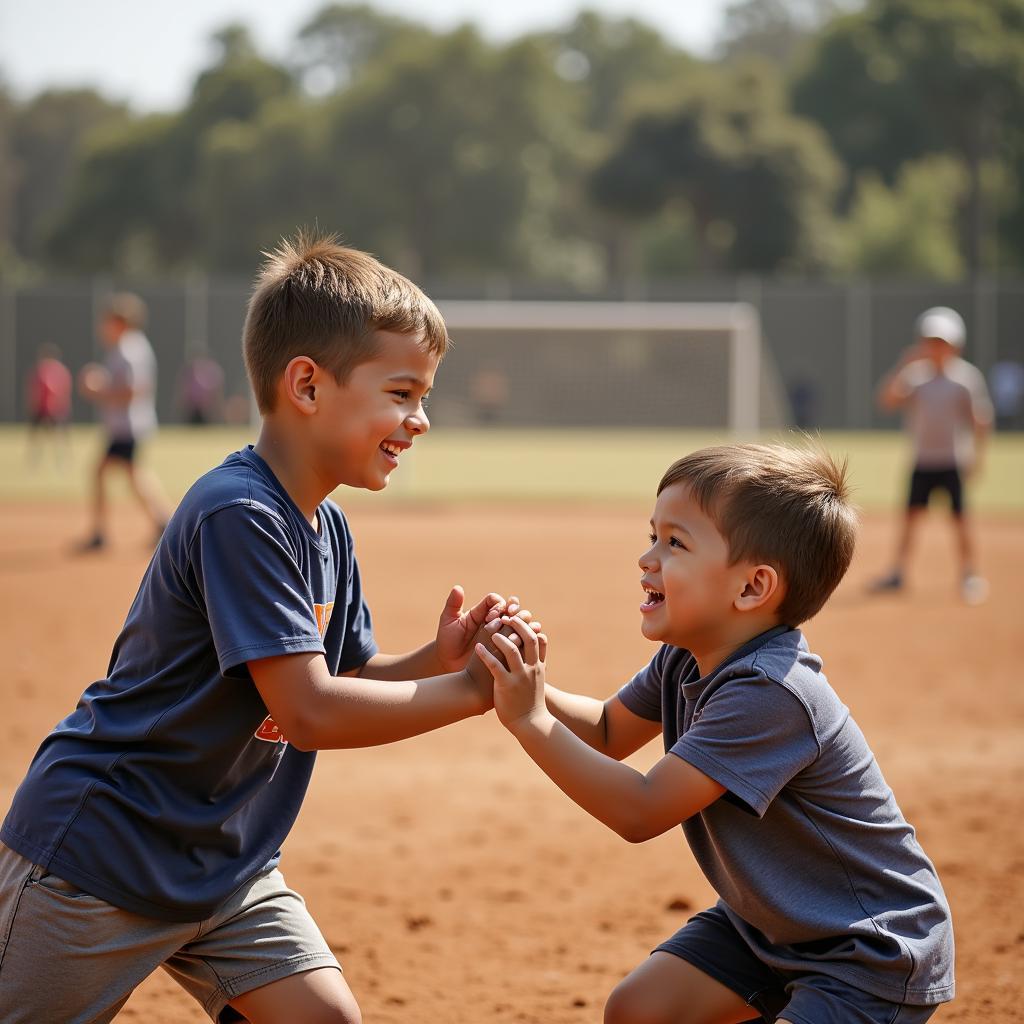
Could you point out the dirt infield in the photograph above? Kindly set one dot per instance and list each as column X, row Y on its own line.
column 455, row 883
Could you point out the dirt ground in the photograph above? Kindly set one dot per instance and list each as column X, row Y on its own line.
column 455, row 883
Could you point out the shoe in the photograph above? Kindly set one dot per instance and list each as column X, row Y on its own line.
column 894, row 581
column 974, row 589
column 94, row 543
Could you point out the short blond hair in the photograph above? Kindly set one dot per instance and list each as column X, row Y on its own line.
column 318, row 298
column 786, row 506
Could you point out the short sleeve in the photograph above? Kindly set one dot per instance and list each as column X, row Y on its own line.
column 981, row 403
column 752, row 736
column 642, row 694
column 258, row 602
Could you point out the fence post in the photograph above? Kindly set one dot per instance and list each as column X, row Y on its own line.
column 9, row 351
column 985, row 326
column 858, row 355
column 197, row 311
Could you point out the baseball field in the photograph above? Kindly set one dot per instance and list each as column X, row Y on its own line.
column 455, row 883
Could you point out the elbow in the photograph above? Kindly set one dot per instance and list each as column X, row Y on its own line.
column 636, row 831
column 303, row 743
column 300, row 732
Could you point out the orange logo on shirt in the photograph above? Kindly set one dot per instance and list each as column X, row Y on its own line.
column 323, row 615
column 269, row 731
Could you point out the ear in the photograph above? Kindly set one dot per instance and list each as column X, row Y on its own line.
column 761, row 587
column 299, row 384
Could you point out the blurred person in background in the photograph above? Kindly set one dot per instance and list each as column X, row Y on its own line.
column 1006, row 379
column 948, row 415
column 123, row 388
column 48, row 402
column 201, row 387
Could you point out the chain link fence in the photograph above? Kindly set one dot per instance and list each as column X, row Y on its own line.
column 826, row 344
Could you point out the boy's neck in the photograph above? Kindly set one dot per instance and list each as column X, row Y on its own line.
column 713, row 651
column 288, row 461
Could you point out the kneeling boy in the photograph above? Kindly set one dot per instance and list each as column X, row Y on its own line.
column 829, row 912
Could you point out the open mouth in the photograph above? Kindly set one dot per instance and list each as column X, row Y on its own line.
column 653, row 598
column 391, row 450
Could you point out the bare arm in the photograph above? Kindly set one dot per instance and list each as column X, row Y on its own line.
column 607, row 726
column 317, row 711
column 892, row 389
column 414, row 665
column 636, row 806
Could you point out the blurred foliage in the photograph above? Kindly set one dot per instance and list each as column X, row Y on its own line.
column 910, row 227
column 757, row 180
column 822, row 137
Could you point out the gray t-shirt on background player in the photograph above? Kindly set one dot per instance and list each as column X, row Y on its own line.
column 814, row 863
column 941, row 411
column 131, row 363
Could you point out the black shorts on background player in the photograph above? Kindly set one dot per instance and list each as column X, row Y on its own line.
column 924, row 481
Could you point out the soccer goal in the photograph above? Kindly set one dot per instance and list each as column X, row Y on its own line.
column 643, row 364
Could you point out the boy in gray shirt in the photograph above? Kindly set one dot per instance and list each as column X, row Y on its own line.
column 124, row 388
column 829, row 911
column 948, row 417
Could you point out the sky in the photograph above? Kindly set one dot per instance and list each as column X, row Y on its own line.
column 148, row 52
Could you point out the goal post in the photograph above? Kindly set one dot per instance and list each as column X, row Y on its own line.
column 577, row 326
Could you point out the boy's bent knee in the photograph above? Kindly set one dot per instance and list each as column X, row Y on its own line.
column 630, row 1003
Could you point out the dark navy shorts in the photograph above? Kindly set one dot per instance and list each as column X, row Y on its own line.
column 924, row 481
column 711, row 943
column 123, row 450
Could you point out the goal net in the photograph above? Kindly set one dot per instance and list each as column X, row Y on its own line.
column 607, row 364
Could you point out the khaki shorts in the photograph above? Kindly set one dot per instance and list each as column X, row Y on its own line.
column 70, row 957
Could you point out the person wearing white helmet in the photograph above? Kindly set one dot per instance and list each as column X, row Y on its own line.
column 948, row 416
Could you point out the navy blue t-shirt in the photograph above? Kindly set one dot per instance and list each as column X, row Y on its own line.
column 169, row 786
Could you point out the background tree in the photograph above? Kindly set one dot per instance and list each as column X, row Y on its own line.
column 905, row 78
column 778, row 30
column 334, row 47
column 134, row 195
column 434, row 150
column 45, row 141
column 757, row 181
column 910, row 228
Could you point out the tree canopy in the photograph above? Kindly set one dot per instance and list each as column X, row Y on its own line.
column 821, row 136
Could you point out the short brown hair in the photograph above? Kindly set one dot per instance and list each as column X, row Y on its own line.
column 786, row 506
column 128, row 308
column 317, row 298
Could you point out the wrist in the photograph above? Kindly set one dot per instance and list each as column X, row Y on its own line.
column 536, row 722
column 479, row 685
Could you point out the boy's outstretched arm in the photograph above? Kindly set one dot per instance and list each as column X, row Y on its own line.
column 636, row 806
column 389, row 698
column 317, row 711
column 608, row 726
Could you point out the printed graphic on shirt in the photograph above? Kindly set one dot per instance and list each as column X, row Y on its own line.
column 269, row 731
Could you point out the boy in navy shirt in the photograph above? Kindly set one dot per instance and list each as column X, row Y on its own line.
column 148, row 828
column 829, row 910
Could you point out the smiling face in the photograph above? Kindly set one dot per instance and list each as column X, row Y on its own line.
column 364, row 424
column 690, row 589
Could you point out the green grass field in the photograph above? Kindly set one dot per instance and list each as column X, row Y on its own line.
column 507, row 465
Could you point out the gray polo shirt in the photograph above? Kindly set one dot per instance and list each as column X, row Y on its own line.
column 941, row 410
column 814, row 862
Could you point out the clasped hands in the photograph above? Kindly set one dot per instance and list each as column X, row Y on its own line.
column 501, row 649
column 513, row 651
